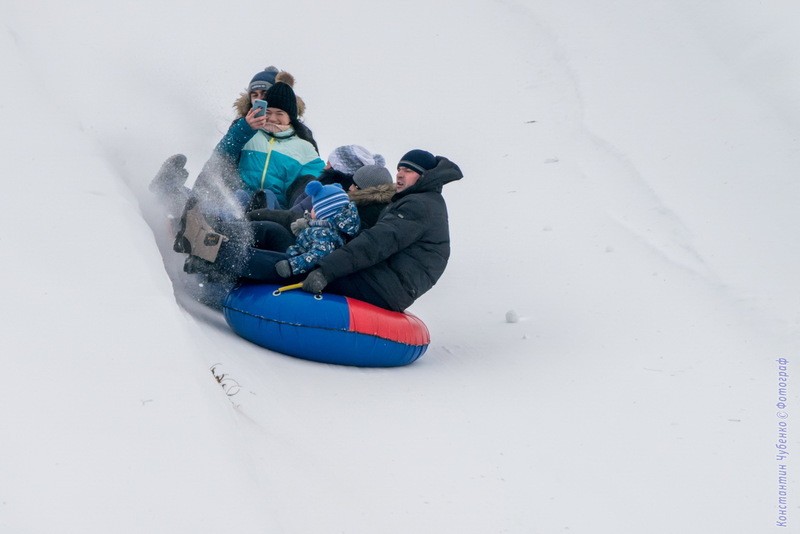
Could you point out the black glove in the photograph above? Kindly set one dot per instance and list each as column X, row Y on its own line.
column 258, row 200
column 283, row 269
column 315, row 282
column 299, row 225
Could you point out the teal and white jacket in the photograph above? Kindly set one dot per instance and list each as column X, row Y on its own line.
column 269, row 161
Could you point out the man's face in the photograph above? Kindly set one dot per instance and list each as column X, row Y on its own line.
column 405, row 178
column 258, row 94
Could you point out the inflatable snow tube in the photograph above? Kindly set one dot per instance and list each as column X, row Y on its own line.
column 325, row 328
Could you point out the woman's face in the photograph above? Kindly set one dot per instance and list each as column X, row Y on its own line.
column 277, row 116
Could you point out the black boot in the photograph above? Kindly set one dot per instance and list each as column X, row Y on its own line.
column 181, row 244
column 171, row 176
column 212, row 272
column 195, row 265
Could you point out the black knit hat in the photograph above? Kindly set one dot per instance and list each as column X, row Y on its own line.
column 418, row 160
column 282, row 96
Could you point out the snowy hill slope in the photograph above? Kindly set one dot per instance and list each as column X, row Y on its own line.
column 629, row 191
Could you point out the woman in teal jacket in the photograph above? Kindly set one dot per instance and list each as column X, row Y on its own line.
column 220, row 177
column 268, row 150
column 256, row 162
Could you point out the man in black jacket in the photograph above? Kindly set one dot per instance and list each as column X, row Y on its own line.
column 403, row 255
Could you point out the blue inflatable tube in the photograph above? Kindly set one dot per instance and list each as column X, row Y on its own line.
column 325, row 328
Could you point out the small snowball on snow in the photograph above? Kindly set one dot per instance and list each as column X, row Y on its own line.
column 512, row 316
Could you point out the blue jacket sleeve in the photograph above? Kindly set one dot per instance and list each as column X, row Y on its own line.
column 231, row 145
column 313, row 167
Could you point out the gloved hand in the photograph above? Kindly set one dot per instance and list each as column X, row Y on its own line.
column 315, row 282
column 283, row 269
column 299, row 225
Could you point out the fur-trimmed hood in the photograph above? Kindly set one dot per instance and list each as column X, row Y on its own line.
column 380, row 194
column 242, row 104
column 371, row 201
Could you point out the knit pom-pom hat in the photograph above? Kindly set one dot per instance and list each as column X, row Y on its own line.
column 281, row 96
column 263, row 80
column 327, row 200
column 349, row 158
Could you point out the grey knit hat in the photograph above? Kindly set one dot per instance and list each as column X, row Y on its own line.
column 372, row 176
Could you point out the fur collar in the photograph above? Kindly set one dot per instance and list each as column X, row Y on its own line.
column 380, row 194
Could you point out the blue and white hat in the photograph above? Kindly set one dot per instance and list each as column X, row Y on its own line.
column 327, row 200
column 263, row 80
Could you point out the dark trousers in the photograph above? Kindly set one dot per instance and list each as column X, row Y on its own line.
column 253, row 249
column 354, row 286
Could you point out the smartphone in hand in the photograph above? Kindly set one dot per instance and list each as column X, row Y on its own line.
column 262, row 105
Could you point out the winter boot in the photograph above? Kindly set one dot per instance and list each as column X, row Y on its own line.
column 171, row 176
column 181, row 243
column 195, row 265
column 212, row 272
column 197, row 237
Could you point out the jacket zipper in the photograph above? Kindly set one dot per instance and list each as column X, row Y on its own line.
column 266, row 163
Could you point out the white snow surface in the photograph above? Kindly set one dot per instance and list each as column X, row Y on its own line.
column 605, row 341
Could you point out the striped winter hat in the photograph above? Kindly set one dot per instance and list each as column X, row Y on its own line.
column 327, row 200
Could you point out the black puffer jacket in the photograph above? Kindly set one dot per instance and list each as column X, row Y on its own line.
column 406, row 252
